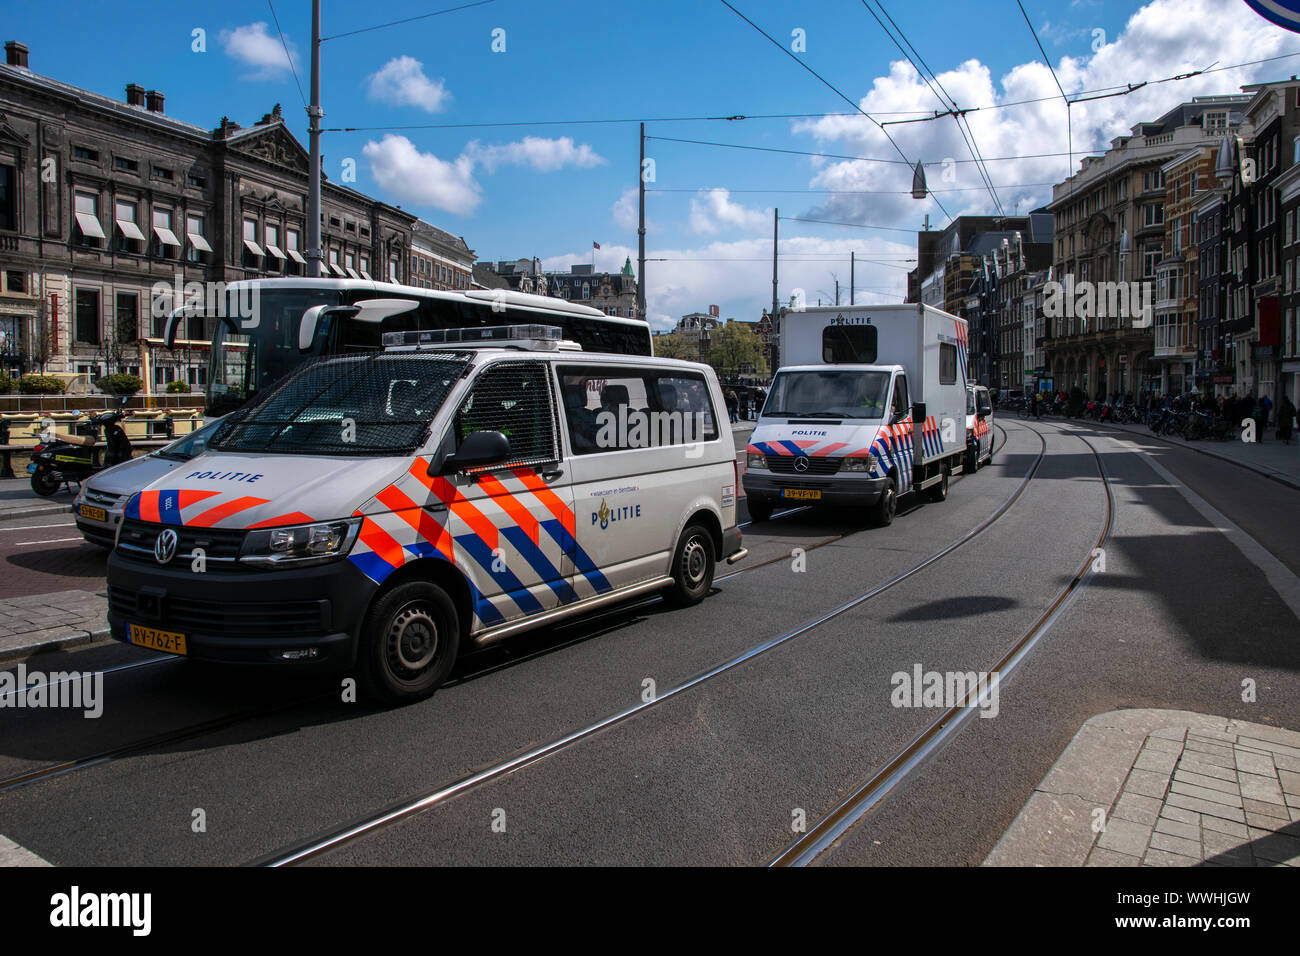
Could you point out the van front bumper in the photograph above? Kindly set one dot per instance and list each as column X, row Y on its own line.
column 849, row 492
column 305, row 617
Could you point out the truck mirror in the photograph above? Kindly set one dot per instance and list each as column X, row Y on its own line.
column 918, row 411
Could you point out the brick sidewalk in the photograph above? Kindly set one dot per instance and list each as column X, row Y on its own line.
column 1163, row 788
column 47, row 622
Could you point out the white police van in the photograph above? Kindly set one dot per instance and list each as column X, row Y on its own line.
column 979, row 428
column 384, row 510
column 869, row 404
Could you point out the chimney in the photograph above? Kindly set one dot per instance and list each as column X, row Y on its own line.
column 134, row 94
column 154, row 101
column 16, row 54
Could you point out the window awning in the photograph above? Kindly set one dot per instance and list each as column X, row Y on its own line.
column 338, row 270
column 366, row 275
column 129, row 229
column 166, row 236
column 352, row 272
column 90, row 226
column 198, row 242
column 253, row 247
column 275, row 251
column 296, row 256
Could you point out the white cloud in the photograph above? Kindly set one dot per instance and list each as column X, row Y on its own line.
column 402, row 81
column 405, row 172
column 713, row 210
column 1161, row 39
column 543, row 155
column 626, row 209
column 253, row 45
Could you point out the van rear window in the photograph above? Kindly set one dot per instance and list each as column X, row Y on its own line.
column 849, row 344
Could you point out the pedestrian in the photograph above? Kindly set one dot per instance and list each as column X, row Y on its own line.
column 1285, row 418
column 1261, row 417
column 730, row 397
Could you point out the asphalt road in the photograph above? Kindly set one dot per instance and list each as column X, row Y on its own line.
column 716, row 773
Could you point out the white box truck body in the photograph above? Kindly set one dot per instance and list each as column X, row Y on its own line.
column 869, row 403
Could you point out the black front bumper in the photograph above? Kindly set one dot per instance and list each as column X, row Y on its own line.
column 848, row 492
column 245, row 616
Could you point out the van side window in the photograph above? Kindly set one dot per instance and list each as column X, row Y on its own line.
column 900, row 407
column 609, row 409
column 947, row 364
column 513, row 398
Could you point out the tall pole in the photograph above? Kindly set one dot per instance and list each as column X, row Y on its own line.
column 775, row 214
column 837, row 292
column 852, row 267
column 315, row 255
column 640, row 236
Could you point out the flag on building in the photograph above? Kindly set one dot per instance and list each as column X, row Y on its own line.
column 595, row 245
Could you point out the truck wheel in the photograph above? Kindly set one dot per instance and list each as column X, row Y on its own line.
column 692, row 567
column 408, row 643
column 759, row 510
column 882, row 514
column 939, row 492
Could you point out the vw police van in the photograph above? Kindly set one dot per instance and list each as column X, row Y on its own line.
column 979, row 428
column 384, row 510
column 869, row 404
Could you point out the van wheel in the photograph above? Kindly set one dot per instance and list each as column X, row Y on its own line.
column 759, row 510
column 408, row 643
column 882, row 513
column 692, row 567
column 939, row 492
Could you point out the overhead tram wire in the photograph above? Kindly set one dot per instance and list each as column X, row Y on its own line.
column 922, row 68
column 285, row 43
column 922, row 116
column 422, row 16
column 834, row 89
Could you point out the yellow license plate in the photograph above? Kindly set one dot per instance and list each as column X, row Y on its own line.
column 804, row 494
column 157, row 640
column 98, row 514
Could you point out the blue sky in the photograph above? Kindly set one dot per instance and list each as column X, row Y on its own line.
column 552, row 186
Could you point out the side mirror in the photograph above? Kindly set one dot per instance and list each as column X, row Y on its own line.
column 478, row 450
column 918, row 411
column 985, row 411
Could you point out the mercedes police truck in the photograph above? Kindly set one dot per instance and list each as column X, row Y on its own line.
column 869, row 404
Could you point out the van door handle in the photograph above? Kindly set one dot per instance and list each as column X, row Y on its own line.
column 549, row 476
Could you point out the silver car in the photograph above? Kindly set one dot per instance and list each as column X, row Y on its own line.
column 99, row 504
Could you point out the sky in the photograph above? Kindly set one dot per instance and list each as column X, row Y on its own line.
column 493, row 121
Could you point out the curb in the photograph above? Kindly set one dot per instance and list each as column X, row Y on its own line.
column 72, row 637
column 1275, row 476
column 35, row 512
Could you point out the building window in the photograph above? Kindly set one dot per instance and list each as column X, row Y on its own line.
column 8, row 197
column 129, row 165
column 1153, row 214
column 295, row 261
column 87, row 316
column 165, row 243
column 126, row 326
column 82, row 152
column 89, row 231
column 274, row 255
column 252, row 251
column 365, row 267
column 198, row 182
column 198, row 243
column 160, row 173
column 129, row 237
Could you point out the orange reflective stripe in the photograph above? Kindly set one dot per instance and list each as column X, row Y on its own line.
column 294, row 517
column 424, row 523
column 517, row 511
column 382, row 543
column 553, row 502
column 186, row 498
column 149, row 506
column 210, row 517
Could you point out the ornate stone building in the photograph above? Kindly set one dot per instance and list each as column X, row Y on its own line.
column 102, row 200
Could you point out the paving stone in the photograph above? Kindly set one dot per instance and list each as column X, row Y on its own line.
column 1289, row 738
column 1170, row 733
column 1204, row 793
column 1208, row 783
column 1051, row 830
column 1155, row 857
column 1124, row 836
column 1228, row 760
column 1271, row 747
column 1205, row 747
column 1192, row 765
column 1188, row 831
column 1279, row 848
column 1226, row 827
column 1173, row 745
column 1274, row 810
column 1283, row 762
column 1094, row 766
column 1264, row 821
column 1176, row 844
column 1206, row 808
column 1255, row 763
column 1215, row 842
column 1179, row 814
column 1103, row 857
column 1213, row 736
column 1290, row 781
column 1137, row 808
column 1156, row 761
column 1267, row 789
column 1146, row 783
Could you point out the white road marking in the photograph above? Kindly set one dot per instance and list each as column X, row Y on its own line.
column 11, row 854
column 33, row 527
column 51, row 541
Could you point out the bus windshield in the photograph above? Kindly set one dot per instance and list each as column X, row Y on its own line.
column 259, row 344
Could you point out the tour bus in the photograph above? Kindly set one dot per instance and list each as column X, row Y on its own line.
column 869, row 404
column 258, row 330
column 382, row 510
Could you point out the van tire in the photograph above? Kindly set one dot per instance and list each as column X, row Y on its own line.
column 759, row 511
column 408, row 643
column 939, row 492
column 692, row 567
column 882, row 512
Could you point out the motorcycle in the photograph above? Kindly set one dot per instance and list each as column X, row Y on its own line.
column 74, row 457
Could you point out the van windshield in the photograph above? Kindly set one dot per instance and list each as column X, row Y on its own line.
column 833, row 393
column 377, row 404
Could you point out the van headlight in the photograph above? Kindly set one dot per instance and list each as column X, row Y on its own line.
column 861, row 463
column 300, row 545
column 755, row 461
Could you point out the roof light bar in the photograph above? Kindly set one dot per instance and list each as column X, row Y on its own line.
column 538, row 337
